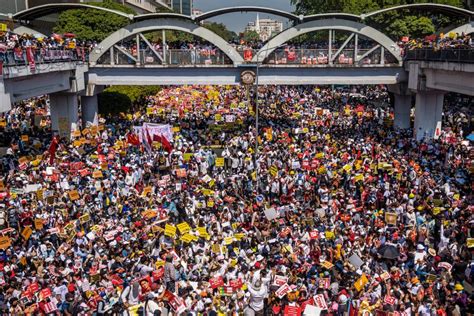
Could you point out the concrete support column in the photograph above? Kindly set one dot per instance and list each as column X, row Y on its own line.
column 90, row 108
column 428, row 113
column 64, row 109
column 5, row 99
column 402, row 110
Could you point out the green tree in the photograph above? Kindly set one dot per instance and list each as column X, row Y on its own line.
column 414, row 23
column 90, row 24
column 113, row 102
column 116, row 99
column 221, row 30
column 250, row 36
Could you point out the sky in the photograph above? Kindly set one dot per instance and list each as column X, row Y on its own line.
column 237, row 21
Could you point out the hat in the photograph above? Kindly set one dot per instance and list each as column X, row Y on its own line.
column 420, row 247
column 259, row 258
column 458, row 287
column 432, row 252
column 415, row 280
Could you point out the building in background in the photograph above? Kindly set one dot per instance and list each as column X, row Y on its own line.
column 197, row 12
column 265, row 28
column 140, row 6
column 181, row 6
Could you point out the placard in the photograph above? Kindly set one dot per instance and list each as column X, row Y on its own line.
column 391, row 218
column 282, row 290
column 73, row 195
column 220, row 162
column 26, row 233
column 5, row 242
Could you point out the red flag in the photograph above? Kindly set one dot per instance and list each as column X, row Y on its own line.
column 146, row 139
column 164, row 142
column 133, row 139
column 52, row 150
column 30, row 58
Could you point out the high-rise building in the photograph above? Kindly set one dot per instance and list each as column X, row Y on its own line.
column 140, row 6
column 265, row 27
column 182, row 6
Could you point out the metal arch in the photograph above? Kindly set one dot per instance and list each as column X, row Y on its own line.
column 45, row 9
column 149, row 16
column 467, row 28
column 328, row 24
column 165, row 24
column 346, row 16
column 214, row 13
column 439, row 7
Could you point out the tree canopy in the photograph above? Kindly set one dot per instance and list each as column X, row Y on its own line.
column 90, row 24
column 250, row 36
column 397, row 23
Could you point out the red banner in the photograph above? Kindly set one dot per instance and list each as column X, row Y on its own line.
column 216, row 282
column 30, row 58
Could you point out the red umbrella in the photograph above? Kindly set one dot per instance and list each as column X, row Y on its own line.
column 69, row 35
column 57, row 37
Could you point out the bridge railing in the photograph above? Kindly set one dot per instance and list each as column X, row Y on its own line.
column 18, row 57
column 461, row 55
column 319, row 57
column 173, row 57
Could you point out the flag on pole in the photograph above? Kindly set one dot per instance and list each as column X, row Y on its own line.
column 52, row 149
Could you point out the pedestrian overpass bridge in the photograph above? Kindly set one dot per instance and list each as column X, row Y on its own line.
column 127, row 57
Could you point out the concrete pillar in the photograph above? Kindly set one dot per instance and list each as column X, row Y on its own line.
column 90, row 107
column 5, row 99
column 402, row 109
column 64, row 108
column 428, row 112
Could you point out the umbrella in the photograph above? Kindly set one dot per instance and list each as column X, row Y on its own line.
column 57, row 37
column 389, row 252
column 69, row 35
column 470, row 137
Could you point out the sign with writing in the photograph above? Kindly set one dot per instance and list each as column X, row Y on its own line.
column 183, row 228
column 85, row 218
column 445, row 265
column 73, row 195
column 361, row 282
column 26, row 233
column 326, row 264
column 391, row 218
column 282, row 290
column 216, row 282
column 170, row 230
column 320, row 301
column 38, row 223
column 5, row 242
column 220, row 162
column 97, row 174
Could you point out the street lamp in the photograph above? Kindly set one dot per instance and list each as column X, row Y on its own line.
column 257, row 112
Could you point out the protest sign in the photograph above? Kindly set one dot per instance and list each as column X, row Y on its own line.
column 282, row 290
column 320, row 301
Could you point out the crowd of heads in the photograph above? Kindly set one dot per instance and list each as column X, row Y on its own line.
column 330, row 209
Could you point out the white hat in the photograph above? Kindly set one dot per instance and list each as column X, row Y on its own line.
column 420, row 247
column 259, row 258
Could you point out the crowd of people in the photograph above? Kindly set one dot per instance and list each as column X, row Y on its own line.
column 349, row 217
column 17, row 49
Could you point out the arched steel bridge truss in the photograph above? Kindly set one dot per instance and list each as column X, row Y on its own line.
column 332, row 22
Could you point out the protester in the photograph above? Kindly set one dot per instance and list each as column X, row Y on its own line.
column 157, row 211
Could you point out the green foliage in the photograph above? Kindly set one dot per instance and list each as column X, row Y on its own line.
column 118, row 99
column 250, row 36
column 134, row 93
column 221, row 30
column 113, row 102
column 90, row 24
column 413, row 23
